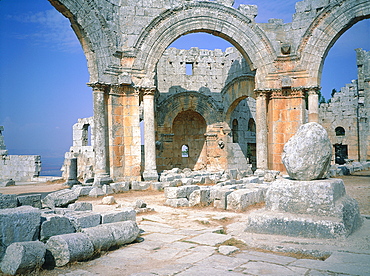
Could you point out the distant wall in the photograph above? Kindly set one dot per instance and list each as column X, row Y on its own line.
column 20, row 167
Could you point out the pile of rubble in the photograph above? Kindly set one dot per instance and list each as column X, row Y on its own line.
column 62, row 231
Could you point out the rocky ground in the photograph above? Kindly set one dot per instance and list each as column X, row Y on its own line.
column 184, row 241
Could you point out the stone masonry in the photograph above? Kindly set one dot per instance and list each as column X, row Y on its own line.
column 17, row 167
column 125, row 41
column 346, row 116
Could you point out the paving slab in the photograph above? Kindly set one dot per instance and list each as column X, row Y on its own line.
column 211, row 239
column 263, row 268
column 164, row 237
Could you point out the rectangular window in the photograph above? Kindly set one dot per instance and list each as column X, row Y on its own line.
column 189, row 68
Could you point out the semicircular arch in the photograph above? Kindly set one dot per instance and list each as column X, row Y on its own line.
column 173, row 105
column 325, row 30
column 213, row 18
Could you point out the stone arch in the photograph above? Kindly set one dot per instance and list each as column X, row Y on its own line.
column 209, row 17
column 235, row 91
column 179, row 102
column 325, row 30
column 97, row 56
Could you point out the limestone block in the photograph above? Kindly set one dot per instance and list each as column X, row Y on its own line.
column 23, row 257
column 118, row 215
column 307, row 155
column 96, row 192
column 156, row 186
column 227, row 249
column 140, row 185
column 101, row 237
column 69, row 248
column 81, row 190
column 59, row 198
column 270, row 176
column 305, row 197
column 187, row 181
column 52, row 225
column 120, row 187
column 108, row 200
column 30, row 200
column 220, row 198
column 200, row 198
column 177, row 202
column 251, row 179
column 124, row 232
column 8, row 201
column 296, row 225
column 107, row 189
column 7, row 182
column 18, row 225
column 81, row 206
column 181, row 192
column 83, row 219
column 239, row 200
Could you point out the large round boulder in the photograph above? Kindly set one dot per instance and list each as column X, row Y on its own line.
column 307, row 155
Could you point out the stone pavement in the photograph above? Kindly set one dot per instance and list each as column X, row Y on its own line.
column 167, row 249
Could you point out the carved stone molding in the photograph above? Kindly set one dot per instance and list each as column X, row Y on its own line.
column 99, row 86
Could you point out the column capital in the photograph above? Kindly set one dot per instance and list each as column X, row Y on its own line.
column 262, row 93
column 99, row 86
column 146, row 90
column 313, row 90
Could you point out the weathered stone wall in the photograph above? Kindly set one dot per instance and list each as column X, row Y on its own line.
column 350, row 109
column 82, row 149
column 190, row 104
column 124, row 40
column 20, row 167
column 208, row 71
column 17, row 167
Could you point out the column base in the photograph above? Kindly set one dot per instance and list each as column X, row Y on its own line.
column 150, row 175
column 103, row 179
column 71, row 182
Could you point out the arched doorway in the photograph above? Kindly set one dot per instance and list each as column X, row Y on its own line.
column 188, row 129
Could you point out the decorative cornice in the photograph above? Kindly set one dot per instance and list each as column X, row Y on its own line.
column 99, row 86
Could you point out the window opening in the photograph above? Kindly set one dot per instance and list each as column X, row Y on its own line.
column 251, row 125
column 184, row 151
column 235, row 131
column 189, row 68
column 339, row 131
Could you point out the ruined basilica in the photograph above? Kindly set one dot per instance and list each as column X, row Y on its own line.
column 203, row 109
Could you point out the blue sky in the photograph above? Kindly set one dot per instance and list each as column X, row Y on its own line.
column 43, row 72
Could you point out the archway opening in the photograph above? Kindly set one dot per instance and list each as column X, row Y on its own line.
column 188, row 151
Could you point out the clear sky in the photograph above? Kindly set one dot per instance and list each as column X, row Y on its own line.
column 43, row 71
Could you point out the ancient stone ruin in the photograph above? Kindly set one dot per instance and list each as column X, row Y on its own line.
column 218, row 127
column 306, row 205
column 17, row 167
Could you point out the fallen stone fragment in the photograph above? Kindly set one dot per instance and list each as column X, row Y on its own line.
column 84, row 219
column 7, row 182
column 18, row 225
column 118, row 215
column 177, row 202
column 23, row 257
column 307, row 155
column 81, row 206
column 30, row 200
column 239, row 200
column 107, row 190
column 53, row 225
column 108, row 200
column 8, row 201
column 60, row 198
column 69, row 248
column 96, row 192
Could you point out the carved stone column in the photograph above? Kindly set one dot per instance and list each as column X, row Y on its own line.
column 150, row 172
column 313, row 105
column 100, row 135
column 261, row 130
